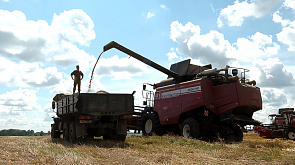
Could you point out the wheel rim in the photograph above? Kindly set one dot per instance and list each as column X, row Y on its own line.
column 148, row 126
column 186, row 130
column 291, row 135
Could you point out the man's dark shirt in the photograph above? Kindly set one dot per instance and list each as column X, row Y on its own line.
column 77, row 75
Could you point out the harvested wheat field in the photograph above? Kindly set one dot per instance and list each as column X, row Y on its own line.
column 146, row 150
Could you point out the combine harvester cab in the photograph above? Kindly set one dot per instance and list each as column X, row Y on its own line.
column 198, row 101
column 282, row 125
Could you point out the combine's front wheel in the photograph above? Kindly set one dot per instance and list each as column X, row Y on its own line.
column 150, row 124
column 190, row 128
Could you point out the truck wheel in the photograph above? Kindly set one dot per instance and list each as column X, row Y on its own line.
column 291, row 135
column 151, row 125
column 54, row 134
column 190, row 128
column 65, row 131
column 72, row 133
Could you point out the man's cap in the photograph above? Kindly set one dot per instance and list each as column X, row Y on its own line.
column 77, row 65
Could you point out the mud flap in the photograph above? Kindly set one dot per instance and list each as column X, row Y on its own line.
column 81, row 130
column 121, row 128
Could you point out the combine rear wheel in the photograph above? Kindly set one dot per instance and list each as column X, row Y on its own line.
column 65, row 131
column 150, row 124
column 72, row 133
column 190, row 128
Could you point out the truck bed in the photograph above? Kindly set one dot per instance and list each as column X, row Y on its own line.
column 94, row 104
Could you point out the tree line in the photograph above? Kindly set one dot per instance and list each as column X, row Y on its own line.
column 17, row 132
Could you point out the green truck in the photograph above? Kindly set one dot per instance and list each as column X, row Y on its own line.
column 89, row 115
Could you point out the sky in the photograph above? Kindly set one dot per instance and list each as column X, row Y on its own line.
column 42, row 41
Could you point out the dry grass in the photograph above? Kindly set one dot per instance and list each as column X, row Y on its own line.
column 146, row 150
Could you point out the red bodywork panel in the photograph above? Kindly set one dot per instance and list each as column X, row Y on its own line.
column 173, row 100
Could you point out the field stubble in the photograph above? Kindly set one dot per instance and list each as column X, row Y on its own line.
column 146, row 150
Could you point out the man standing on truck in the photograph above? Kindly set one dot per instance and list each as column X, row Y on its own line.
column 77, row 80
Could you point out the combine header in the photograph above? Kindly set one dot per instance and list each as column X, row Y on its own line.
column 197, row 101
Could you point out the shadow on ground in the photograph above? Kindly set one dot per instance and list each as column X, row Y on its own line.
column 91, row 142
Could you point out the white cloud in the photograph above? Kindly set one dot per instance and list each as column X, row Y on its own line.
column 25, row 74
column 36, row 41
column 25, row 122
column 273, row 99
column 278, row 19
column 124, row 68
column 234, row 15
column 172, row 55
column 49, row 113
column 271, row 73
column 215, row 49
column 150, row 15
column 163, row 7
column 5, row 0
column 209, row 48
column 74, row 26
column 66, row 85
column 289, row 4
column 18, row 101
column 256, row 46
column 287, row 35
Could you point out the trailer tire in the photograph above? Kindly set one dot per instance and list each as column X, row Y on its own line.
column 190, row 128
column 65, row 131
column 150, row 124
column 54, row 134
column 72, row 133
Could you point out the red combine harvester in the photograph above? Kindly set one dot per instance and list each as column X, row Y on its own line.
column 282, row 125
column 197, row 101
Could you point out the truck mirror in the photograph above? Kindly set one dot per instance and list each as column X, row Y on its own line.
column 144, row 87
column 53, row 105
column 144, row 103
